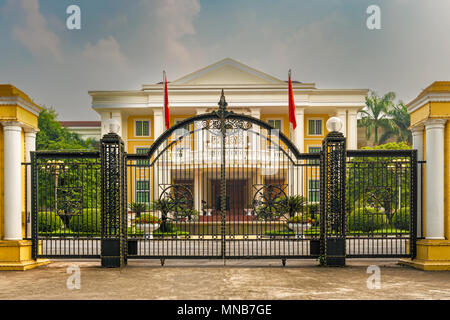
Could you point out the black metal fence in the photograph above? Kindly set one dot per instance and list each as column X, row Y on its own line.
column 66, row 219
column 222, row 185
column 381, row 203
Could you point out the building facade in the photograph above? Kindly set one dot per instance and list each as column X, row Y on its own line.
column 194, row 153
column 248, row 91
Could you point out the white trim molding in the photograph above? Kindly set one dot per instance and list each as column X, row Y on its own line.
column 429, row 97
column 18, row 101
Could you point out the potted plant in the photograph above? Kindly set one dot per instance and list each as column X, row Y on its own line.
column 147, row 224
column 164, row 206
column 138, row 208
column 299, row 224
column 295, row 205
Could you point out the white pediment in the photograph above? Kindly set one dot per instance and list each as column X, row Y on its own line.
column 227, row 72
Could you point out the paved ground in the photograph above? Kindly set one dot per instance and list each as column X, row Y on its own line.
column 209, row 279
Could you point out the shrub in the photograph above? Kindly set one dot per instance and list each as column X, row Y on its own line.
column 366, row 220
column 313, row 208
column 138, row 207
column 147, row 218
column 401, row 219
column 89, row 221
column 301, row 218
column 48, row 222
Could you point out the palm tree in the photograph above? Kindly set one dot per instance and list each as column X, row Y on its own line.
column 375, row 115
column 398, row 124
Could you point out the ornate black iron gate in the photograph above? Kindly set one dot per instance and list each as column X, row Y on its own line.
column 224, row 185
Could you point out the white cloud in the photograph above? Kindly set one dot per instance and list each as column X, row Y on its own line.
column 106, row 51
column 32, row 31
column 174, row 20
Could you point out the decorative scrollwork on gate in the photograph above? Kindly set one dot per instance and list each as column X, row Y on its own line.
column 175, row 202
column 270, row 202
column 232, row 126
column 68, row 203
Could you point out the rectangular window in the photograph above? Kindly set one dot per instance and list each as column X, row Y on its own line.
column 314, row 150
column 315, row 127
column 142, row 128
column 142, row 151
column 181, row 131
column 142, row 191
column 314, row 190
column 275, row 123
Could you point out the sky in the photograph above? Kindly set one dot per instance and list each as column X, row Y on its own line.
column 124, row 44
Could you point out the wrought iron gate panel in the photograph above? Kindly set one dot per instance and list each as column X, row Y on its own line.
column 66, row 204
column 381, row 203
column 222, row 185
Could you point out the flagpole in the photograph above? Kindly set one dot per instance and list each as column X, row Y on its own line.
column 164, row 98
column 291, row 129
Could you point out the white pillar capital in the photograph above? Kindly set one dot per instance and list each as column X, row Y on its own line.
column 417, row 130
column 255, row 113
column 435, row 124
column 157, row 111
column 11, row 125
column 299, row 110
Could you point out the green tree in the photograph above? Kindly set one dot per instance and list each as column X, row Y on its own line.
column 398, row 122
column 52, row 136
column 375, row 115
column 379, row 182
column 66, row 185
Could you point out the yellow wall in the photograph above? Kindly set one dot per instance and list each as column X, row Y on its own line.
column 2, row 192
column 132, row 140
column 447, row 180
column 314, row 140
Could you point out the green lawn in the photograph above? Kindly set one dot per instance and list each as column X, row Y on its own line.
column 316, row 231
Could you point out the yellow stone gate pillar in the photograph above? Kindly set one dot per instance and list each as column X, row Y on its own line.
column 430, row 113
column 18, row 118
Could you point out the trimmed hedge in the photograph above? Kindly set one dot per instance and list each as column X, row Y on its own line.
column 88, row 221
column 366, row 220
column 401, row 219
column 48, row 222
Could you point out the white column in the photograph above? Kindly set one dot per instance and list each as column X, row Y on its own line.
column 255, row 137
column 162, row 174
column 198, row 191
column 295, row 173
column 199, row 135
column 12, row 181
column 342, row 114
column 30, row 146
column 158, row 123
column 300, row 130
column 435, row 178
column 352, row 139
column 417, row 137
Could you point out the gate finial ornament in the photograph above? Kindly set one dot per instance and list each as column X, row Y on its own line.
column 222, row 102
